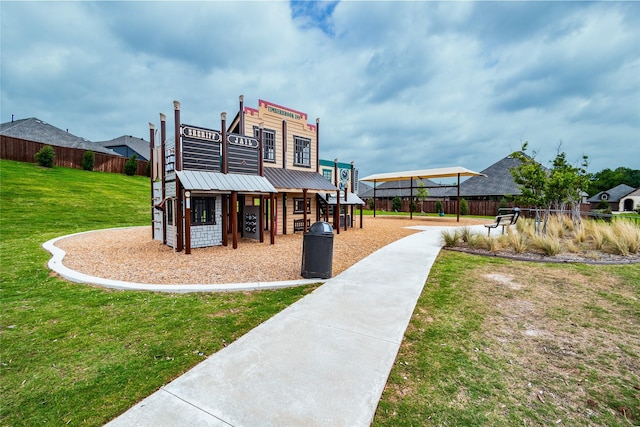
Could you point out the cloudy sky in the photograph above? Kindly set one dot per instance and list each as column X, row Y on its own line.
column 396, row 85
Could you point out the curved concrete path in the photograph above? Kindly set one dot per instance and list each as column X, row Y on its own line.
column 323, row 361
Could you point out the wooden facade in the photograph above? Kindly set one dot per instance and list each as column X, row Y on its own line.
column 230, row 172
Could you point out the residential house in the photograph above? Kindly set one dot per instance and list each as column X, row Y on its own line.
column 620, row 198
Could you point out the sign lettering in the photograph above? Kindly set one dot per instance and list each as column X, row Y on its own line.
column 244, row 141
column 203, row 134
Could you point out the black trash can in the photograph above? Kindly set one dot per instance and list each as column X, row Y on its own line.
column 317, row 251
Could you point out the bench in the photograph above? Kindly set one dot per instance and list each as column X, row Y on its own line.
column 504, row 220
column 298, row 225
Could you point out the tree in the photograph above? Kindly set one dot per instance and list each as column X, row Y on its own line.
column 556, row 188
column 531, row 178
column 131, row 166
column 88, row 160
column 422, row 194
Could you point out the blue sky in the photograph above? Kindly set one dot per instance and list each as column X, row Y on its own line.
column 396, row 85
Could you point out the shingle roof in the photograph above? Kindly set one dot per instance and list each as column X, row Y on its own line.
column 33, row 129
column 498, row 181
column 613, row 194
column 139, row 145
column 402, row 188
column 296, row 179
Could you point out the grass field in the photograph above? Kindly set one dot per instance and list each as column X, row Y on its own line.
column 491, row 342
column 76, row 355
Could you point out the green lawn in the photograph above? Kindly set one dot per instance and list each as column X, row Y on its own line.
column 559, row 345
column 72, row 354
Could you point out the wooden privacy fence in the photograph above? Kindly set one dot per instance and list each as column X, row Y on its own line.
column 476, row 207
column 25, row 151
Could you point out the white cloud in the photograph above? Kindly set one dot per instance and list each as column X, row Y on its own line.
column 397, row 85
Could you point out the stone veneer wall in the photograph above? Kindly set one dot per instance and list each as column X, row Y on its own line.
column 203, row 236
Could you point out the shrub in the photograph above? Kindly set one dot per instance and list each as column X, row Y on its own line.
column 148, row 170
column 396, row 203
column 372, row 204
column 464, row 207
column 131, row 166
column 438, row 206
column 46, row 156
column 88, row 160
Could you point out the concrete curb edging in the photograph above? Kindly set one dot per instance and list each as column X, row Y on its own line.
column 56, row 264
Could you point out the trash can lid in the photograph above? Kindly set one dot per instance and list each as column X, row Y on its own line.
column 320, row 227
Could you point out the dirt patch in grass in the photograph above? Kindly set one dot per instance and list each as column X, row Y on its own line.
column 569, row 338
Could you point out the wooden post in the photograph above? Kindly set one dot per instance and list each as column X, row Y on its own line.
column 374, row 198
column 187, row 222
column 337, row 213
column 223, row 125
column 272, row 207
column 234, row 218
column 152, row 143
column 225, row 219
column 261, row 218
column 178, row 166
column 304, row 210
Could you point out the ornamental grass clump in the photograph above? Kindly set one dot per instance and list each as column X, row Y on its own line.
column 629, row 232
column 450, row 238
column 518, row 242
column 549, row 245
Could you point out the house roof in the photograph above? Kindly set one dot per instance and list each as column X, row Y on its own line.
column 296, row 179
column 402, row 188
column 613, row 194
column 33, row 129
column 497, row 181
column 208, row 181
column 139, row 145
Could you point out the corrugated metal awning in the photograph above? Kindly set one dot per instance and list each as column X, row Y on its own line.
column 208, row 181
column 330, row 198
column 295, row 179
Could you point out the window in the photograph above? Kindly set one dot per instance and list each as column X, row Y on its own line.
column 298, row 205
column 268, row 143
column 328, row 174
column 203, row 210
column 302, row 151
column 170, row 212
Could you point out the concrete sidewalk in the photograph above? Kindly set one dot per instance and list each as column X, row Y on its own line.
column 323, row 361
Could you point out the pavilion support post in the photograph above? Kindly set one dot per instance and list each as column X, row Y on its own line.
column 374, row 198
column 360, row 216
column 458, row 207
column 410, row 197
column 225, row 220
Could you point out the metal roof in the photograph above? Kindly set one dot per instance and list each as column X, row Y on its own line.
column 449, row 172
column 330, row 198
column 207, row 181
column 295, row 179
